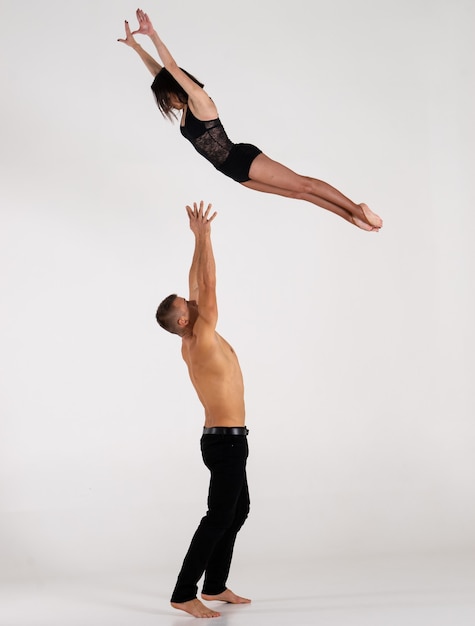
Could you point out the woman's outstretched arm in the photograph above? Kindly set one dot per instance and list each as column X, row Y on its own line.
column 146, row 28
column 201, row 103
column 149, row 61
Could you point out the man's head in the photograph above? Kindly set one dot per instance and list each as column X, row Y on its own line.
column 177, row 315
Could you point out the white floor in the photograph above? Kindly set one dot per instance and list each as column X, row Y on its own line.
column 422, row 591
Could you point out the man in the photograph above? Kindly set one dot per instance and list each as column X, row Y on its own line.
column 216, row 376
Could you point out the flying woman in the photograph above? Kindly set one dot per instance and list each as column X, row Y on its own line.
column 176, row 90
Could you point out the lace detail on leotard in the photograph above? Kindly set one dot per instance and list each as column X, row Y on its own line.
column 214, row 144
column 209, row 138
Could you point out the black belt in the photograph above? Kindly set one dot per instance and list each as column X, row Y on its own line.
column 226, row 430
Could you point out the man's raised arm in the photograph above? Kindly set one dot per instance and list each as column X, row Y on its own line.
column 202, row 276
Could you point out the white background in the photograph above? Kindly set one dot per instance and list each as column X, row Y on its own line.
column 357, row 348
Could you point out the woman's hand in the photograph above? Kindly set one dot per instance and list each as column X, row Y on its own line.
column 145, row 25
column 129, row 38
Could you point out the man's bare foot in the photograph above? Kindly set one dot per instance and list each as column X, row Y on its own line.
column 371, row 219
column 196, row 608
column 226, row 596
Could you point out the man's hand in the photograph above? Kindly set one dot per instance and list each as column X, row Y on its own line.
column 145, row 25
column 200, row 222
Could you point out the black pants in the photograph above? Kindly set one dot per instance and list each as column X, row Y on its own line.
column 211, row 548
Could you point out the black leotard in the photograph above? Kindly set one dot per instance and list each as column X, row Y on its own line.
column 210, row 139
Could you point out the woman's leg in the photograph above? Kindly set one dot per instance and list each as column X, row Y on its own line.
column 272, row 177
column 346, row 215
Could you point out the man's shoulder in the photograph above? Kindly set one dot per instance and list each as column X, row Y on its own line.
column 201, row 343
column 204, row 336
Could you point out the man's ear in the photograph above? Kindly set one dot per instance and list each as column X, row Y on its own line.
column 182, row 321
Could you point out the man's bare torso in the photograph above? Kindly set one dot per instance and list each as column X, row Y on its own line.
column 216, row 375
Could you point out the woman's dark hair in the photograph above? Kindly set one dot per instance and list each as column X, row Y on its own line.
column 164, row 86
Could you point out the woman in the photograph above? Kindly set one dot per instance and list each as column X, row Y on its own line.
column 176, row 90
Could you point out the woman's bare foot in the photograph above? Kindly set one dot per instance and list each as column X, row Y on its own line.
column 357, row 221
column 196, row 608
column 370, row 219
column 226, row 596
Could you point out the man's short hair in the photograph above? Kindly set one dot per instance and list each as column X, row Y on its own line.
column 167, row 316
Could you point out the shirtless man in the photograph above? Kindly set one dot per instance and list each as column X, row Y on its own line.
column 215, row 373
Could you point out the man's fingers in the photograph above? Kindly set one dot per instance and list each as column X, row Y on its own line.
column 191, row 211
column 210, row 219
column 197, row 212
